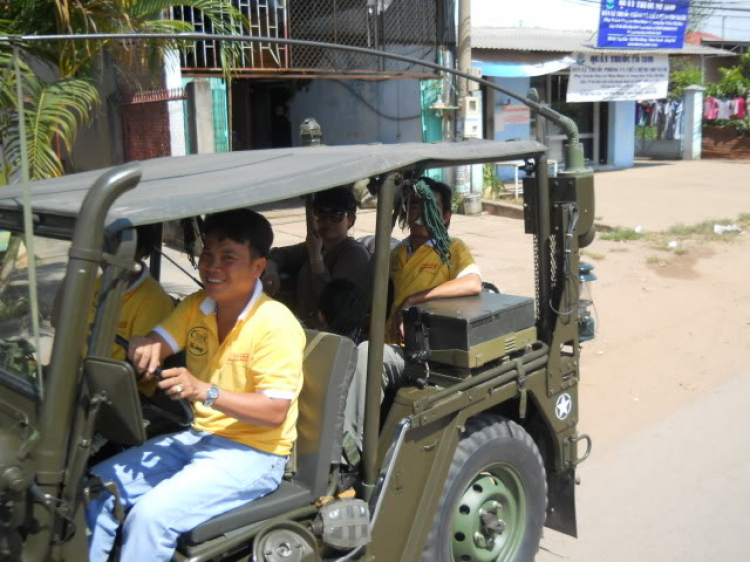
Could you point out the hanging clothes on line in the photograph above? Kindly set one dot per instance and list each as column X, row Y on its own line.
column 673, row 128
column 739, row 106
column 710, row 108
column 665, row 116
column 724, row 108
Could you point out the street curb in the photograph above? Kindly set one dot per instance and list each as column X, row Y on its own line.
column 500, row 209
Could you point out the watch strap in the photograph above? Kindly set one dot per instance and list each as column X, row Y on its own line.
column 211, row 396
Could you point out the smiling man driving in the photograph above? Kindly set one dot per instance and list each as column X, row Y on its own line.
column 243, row 378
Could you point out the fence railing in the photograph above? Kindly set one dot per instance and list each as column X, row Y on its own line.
column 410, row 27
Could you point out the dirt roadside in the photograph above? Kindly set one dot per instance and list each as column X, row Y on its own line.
column 674, row 331
column 669, row 331
column 660, row 194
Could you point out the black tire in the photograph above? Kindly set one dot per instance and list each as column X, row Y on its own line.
column 495, row 451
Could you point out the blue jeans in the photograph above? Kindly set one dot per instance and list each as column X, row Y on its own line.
column 172, row 484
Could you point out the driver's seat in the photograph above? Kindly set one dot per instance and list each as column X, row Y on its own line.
column 328, row 368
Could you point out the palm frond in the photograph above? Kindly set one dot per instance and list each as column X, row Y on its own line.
column 22, row 17
column 51, row 111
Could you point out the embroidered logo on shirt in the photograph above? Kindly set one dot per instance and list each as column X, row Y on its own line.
column 238, row 358
column 197, row 343
column 429, row 266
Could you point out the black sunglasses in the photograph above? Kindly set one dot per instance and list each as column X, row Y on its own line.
column 330, row 216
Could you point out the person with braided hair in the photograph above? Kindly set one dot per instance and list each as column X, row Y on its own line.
column 427, row 265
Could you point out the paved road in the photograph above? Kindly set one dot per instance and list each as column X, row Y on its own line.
column 679, row 491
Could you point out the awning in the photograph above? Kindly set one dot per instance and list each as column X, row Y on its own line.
column 522, row 69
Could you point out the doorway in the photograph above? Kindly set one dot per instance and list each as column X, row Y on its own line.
column 260, row 114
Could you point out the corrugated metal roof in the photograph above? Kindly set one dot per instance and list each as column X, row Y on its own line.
column 563, row 41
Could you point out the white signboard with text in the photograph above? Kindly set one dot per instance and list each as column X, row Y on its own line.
column 618, row 77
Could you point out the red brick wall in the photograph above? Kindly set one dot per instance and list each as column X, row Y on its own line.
column 145, row 129
column 724, row 143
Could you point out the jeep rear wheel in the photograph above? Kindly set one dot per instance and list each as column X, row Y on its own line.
column 494, row 501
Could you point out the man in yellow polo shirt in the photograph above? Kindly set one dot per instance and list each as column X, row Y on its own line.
column 427, row 265
column 243, row 377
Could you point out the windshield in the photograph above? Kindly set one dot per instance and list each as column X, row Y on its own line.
column 19, row 352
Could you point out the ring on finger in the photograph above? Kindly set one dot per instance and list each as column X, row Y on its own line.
column 178, row 389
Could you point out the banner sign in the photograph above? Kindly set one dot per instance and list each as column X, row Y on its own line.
column 642, row 24
column 608, row 77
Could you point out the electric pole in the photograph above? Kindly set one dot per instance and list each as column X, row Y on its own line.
column 463, row 175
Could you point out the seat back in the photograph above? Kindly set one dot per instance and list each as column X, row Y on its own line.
column 330, row 361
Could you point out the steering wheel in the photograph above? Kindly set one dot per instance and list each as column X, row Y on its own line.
column 179, row 412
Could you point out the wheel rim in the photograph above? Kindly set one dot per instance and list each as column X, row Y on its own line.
column 489, row 520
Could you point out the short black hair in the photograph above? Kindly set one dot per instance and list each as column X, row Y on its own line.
column 336, row 199
column 146, row 243
column 446, row 193
column 243, row 226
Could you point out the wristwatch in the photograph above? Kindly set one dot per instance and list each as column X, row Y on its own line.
column 211, row 395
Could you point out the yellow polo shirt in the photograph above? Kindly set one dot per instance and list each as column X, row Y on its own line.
column 144, row 305
column 423, row 270
column 262, row 353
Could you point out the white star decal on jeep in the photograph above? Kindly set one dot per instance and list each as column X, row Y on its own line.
column 563, row 406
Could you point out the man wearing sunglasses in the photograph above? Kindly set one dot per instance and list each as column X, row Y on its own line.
column 328, row 253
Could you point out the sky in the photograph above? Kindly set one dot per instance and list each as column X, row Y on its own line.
column 584, row 14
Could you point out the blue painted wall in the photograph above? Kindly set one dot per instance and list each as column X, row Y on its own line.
column 361, row 111
column 621, row 140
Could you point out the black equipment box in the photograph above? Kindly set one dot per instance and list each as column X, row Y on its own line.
column 469, row 331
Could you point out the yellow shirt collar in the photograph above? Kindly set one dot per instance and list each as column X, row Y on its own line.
column 208, row 306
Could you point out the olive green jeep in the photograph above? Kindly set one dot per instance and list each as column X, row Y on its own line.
column 468, row 463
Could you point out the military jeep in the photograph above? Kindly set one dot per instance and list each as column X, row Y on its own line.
column 468, row 463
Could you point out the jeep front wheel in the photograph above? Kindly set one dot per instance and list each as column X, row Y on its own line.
column 494, row 501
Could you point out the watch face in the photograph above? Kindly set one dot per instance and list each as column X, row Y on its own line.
column 213, row 393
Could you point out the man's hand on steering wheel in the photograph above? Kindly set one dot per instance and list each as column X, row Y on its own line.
column 180, row 384
column 145, row 354
column 146, row 351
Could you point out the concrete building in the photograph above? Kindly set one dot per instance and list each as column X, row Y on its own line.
column 735, row 49
column 523, row 58
column 356, row 98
